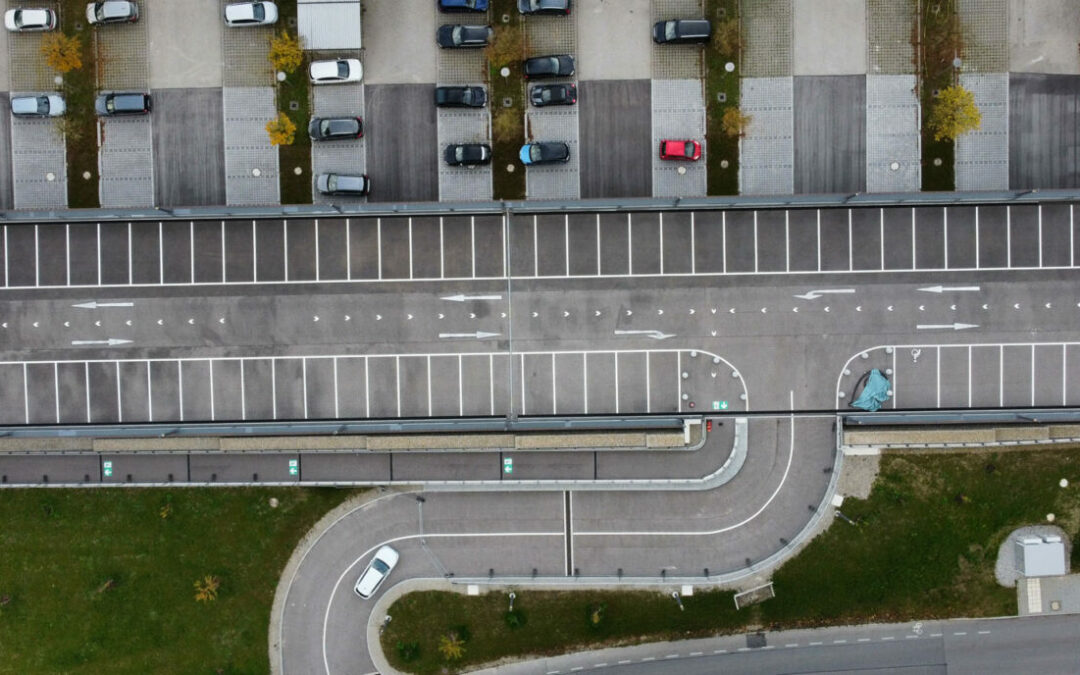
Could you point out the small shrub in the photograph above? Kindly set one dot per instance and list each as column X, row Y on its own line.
column 286, row 52
column 166, row 511
column 514, row 619
column 954, row 114
column 728, row 37
column 735, row 122
column 451, row 646
column 281, row 129
column 408, row 651
column 507, row 124
column 206, row 589
column 62, row 52
column 507, row 46
column 107, row 585
column 597, row 615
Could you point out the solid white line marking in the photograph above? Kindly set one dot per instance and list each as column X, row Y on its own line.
column 243, row 393
column 37, row 256
column 818, row 240
column 56, row 389
column 913, row 265
column 1040, row 236
column 850, row 248
column 378, row 242
column 367, row 387
column 410, row 249
column 554, row 388
column 98, row 253
column 336, row 407
column 119, row 397
column 317, row 271
column 755, row 243
column 491, row 381
column 1064, row 373
column 273, row 386
column 616, row 384
column 787, row 240
column 285, row 246
column 212, row 412
column 598, row 272
column 945, row 228
column 978, row 254
column 882, row 238
column 678, row 383
column 6, row 259
column 397, row 382
column 888, row 637
column 984, row 632
column 191, row 250
column 585, row 382
column 303, row 383
column 1032, row 376
column 522, row 362
column 442, row 250
column 149, row 396
column 348, row 249
column 1072, row 238
column 26, row 395
column 129, row 256
column 86, row 381
column 661, row 242
column 723, row 240
column 863, row 640
column 504, row 234
column 254, row 252
column 566, row 238
column 629, row 246
column 223, row 273
column 427, row 360
column 536, row 249
column 1001, row 376
column 968, row 375
column 472, row 245
column 937, row 369
column 1008, row 237
column 67, row 253
column 693, row 245
column 648, row 384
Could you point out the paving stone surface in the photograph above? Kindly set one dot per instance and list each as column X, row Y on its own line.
column 673, row 62
column 27, row 70
column 678, row 112
column 247, row 147
column 767, row 34
column 243, row 55
column 893, row 143
column 982, row 157
column 551, row 35
column 554, row 181
column 126, row 162
column 888, row 26
column 766, row 157
column 986, row 35
column 463, row 126
column 348, row 157
column 38, row 151
column 122, row 57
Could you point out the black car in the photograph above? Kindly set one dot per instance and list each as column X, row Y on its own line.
column 539, row 67
column 682, row 31
column 467, row 154
column 457, row 36
column 553, row 94
column 341, row 184
column 558, row 7
column 546, row 152
column 111, row 103
column 460, row 97
column 335, row 128
column 463, row 5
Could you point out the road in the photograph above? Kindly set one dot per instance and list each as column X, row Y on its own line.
column 1026, row 645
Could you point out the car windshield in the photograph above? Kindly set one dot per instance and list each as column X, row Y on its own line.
column 379, row 566
column 258, row 11
column 536, row 153
column 99, row 11
column 42, row 105
column 331, row 182
column 669, row 30
column 467, row 96
column 110, row 104
column 458, row 33
column 459, row 153
column 324, row 127
column 343, row 69
column 545, row 94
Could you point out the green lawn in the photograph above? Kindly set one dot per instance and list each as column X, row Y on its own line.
column 721, row 147
column 923, row 547
column 80, row 122
column 940, row 41
column 59, row 549
column 507, row 140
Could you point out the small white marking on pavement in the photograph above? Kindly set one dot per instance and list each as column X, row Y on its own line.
column 815, row 644
column 888, row 637
column 719, row 651
column 984, row 632
column 792, row 644
column 961, row 632
column 863, row 640
column 695, row 653
column 936, row 634
column 672, row 656
column 911, row 637
column 839, row 642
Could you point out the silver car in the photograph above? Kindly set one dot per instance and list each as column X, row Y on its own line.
column 341, row 184
column 38, row 105
column 332, row 72
column 17, row 20
column 382, row 563
column 112, row 11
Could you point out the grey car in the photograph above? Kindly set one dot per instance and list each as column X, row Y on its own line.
column 682, row 31
column 460, row 97
column 39, row 105
column 112, row 11
column 555, row 7
column 467, row 154
column 342, row 184
column 110, row 103
column 335, row 128
column 453, row 36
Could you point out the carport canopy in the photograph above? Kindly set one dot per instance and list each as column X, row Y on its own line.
column 329, row 25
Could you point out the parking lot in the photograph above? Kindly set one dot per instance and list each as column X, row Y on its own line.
column 370, row 386
column 683, row 243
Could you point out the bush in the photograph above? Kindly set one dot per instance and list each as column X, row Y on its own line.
column 735, row 122
column 728, row 38
column 596, row 616
column 62, row 52
column 515, row 619
column 206, row 589
column 286, row 52
column 507, row 46
column 408, row 651
column 281, row 129
column 451, row 646
column 954, row 114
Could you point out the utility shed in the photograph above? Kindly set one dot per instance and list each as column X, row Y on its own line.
column 1040, row 556
column 325, row 25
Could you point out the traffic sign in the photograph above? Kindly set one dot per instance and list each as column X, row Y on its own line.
column 294, row 467
column 107, row 467
column 508, row 465
column 719, row 405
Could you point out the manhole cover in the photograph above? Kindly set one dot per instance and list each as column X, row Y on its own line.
column 294, row 105
column 755, row 640
column 722, row 97
column 78, row 26
column 509, row 168
column 506, row 18
column 935, row 93
column 292, row 22
column 937, row 161
column 508, row 102
column 298, row 170
column 724, row 164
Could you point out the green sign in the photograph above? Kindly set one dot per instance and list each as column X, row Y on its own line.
column 107, row 466
column 719, row 405
column 294, row 467
column 508, row 465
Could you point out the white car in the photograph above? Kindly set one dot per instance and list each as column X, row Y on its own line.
column 382, row 563
column 112, row 11
column 29, row 19
column 241, row 14
column 38, row 105
column 332, row 72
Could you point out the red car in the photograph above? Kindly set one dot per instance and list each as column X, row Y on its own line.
column 688, row 150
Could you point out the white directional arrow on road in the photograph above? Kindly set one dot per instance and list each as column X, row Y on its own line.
column 814, row 295
column 478, row 335
column 946, row 326
column 93, row 304
column 950, row 289
column 465, row 298
column 111, row 342
column 654, row 334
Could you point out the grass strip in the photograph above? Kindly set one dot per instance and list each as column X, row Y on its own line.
column 924, row 546
column 938, row 40
column 507, row 122
column 295, row 188
column 722, row 148
column 80, row 125
column 101, row 581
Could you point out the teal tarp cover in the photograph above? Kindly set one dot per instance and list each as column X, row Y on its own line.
column 874, row 393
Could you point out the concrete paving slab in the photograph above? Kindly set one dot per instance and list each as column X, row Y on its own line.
column 348, row 157
column 399, row 42
column 38, row 164
column 27, row 71
column 191, row 57
column 251, row 163
column 986, row 35
column 830, row 133
column 243, row 55
column 816, row 24
column 1042, row 36
column 463, row 183
column 888, row 30
column 615, row 121
column 618, row 34
column 982, row 156
column 126, row 162
column 1044, row 149
column 893, row 140
column 766, row 164
column 551, row 181
column 6, row 197
column 767, row 34
column 678, row 112
column 402, row 138
column 122, row 53
column 189, row 141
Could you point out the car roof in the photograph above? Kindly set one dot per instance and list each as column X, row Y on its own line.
column 321, row 69
column 24, row 104
column 693, row 26
column 116, row 8
column 34, row 16
column 240, row 11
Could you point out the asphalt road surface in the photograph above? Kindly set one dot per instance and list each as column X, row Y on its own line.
column 553, row 314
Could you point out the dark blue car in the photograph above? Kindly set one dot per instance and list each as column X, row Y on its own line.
column 463, row 5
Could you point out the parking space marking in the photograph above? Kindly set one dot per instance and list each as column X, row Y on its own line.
column 86, row 381
column 945, row 229
column 566, row 239
column 850, row 247
column 223, row 257
column 1039, row 211
column 273, row 386
column 536, row 250
column 881, row 213
column 254, row 252
column 243, row 392
column 978, row 262
column 1064, row 372
column 67, row 255
column 1008, row 236
column 212, row 411
column 693, row 246
column 723, row 239
column 662, row 242
column 598, row 244
column 629, row 245
column 397, row 382
column 98, row 254
column 378, row 242
column 585, row 382
column 348, row 248
column 410, row 249
column 317, row 273
column 119, row 396
column 6, row 265
column 787, row 239
column 180, row 388
column 523, row 408
column 284, row 249
column 191, row 248
column 26, row 394
column 37, row 257
column 56, row 391
column 756, row 247
column 442, row 251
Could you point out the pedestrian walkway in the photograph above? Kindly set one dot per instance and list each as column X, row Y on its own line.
column 251, row 163
column 893, row 139
column 678, row 112
column 766, row 162
column 982, row 156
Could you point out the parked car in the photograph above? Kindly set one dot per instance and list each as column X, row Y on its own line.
column 40, row 105
column 463, row 5
column 342, row 184
column 17, row 20
column 460, row 97
column 240, row 14
column 686, row 150
column 110, row 103
column 558, row 7
column 553, row 94
column 335, row 71
column 112, row 11
column 467, row 154
column 380, row 567
column 539, row 67
column 457, row 36
column 547, row 152
column 682, row 31
column 335, row 128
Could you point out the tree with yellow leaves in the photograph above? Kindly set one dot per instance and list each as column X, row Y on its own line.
column 286, row 52
column 954, row 114
column 735, row 122
column 282, row 130
column 62, row 52
column 206, row 588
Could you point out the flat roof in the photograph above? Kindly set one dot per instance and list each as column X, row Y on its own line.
column 329, row 24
